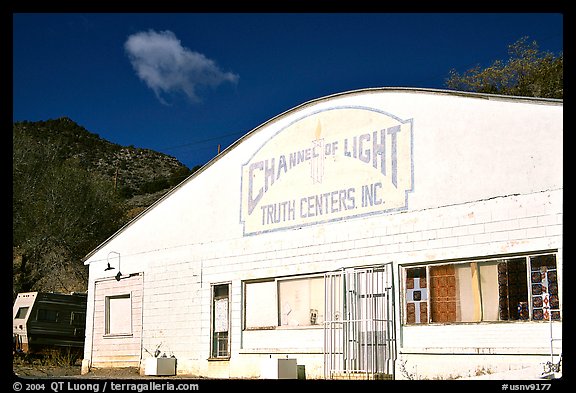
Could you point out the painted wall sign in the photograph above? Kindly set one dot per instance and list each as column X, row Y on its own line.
column 331, row 165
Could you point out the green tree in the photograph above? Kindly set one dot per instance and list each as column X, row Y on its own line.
column 60, row 213
column 528, row 72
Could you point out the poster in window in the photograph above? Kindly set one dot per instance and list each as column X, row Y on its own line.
column 221, row 315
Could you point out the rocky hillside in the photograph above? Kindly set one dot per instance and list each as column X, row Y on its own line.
column 140, row 176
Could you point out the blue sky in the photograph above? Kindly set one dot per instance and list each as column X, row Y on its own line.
column 184, row 83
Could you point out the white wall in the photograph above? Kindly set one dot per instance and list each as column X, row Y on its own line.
column 487, row 180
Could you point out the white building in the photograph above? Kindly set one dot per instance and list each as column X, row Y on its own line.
column 373, row 233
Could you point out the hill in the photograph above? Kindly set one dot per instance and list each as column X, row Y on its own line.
column 139, row 176
column 71, row 191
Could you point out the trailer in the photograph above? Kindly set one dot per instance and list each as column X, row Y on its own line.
column 46, row 321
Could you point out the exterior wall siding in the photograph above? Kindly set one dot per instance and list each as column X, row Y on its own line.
column 463, row 206
column 177, row 303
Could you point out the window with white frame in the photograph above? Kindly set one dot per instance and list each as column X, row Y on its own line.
column 118, row 315
column 287, row 302
column 509, row 289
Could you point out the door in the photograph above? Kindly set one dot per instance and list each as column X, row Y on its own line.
column 117, row 334
column 359, row 333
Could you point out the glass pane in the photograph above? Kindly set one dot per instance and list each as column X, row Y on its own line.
column 220, row 291
column 45, row 315
column 21, row 313
column 260, row 304
column 220, row 344
column 301, row 301
column 513, row 290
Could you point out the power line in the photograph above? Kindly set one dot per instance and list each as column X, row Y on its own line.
column 201, row 141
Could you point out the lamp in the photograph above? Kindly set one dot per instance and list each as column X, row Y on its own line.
column 118, row 275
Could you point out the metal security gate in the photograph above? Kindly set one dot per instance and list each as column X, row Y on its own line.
column 359, row 333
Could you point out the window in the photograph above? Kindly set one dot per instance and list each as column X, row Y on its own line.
column 523, row 288
column 513, row 290
column 416, row 295
column 77, row 318
column 21, row 313
column 544, row 281
column 301, row 301
column 118, row 315
column 47, row 315
column 288, row 302
column 220, row 321
column 260, row 300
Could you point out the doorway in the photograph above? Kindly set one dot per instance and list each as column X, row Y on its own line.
column 359, row 331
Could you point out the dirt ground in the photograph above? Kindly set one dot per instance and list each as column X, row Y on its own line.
column 35, row 368
column 53, row 371
column 42, row 366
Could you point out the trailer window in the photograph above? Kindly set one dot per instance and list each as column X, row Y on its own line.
column 21, row 313
column 77, row 318
column 46, row 315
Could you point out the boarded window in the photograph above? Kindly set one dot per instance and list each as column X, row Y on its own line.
column 118, row 314
column 260, row 304
column 443, row 293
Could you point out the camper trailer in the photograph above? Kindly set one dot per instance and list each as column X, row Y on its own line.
column 45, row 320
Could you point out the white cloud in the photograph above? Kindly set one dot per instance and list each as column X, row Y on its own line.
column 166, row 66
